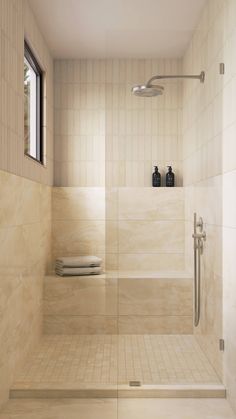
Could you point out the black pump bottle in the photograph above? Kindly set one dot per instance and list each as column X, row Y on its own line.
column 170, row 177
column 156, row 178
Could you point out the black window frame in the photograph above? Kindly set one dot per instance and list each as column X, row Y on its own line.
column 30, row 57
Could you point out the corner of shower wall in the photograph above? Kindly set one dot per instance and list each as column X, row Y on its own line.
column 25, row 206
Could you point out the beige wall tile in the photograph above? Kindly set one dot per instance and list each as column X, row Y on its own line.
column 12, row 158
column 134, row 408
column 80, row 296
column 112, row 236
column 59, row 408
column 174, row 409
column 155, row 325
column 78, row 203
column 72, row 238
column 111, row 204
column 111, row 261
column 151, row 204
column 80, row 325
column 98, row 122
column 25, row 236
column 161, row 297
column 78, row 215
column 105, row 136
column 151, row 236
column 152, row 262
column 24, row 226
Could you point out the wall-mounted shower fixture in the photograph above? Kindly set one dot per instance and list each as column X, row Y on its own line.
column 150, row 90
column 198, row 236
column 222, row 68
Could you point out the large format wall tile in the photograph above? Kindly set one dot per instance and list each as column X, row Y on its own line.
column 79, row 226
column 151, row 262
column 112, row 237
column 151, row 203
column 151, row 236
column 72, row 238
column 72, row 408
column 78, row 203
column 161, row 297
column 155, row 325
column 111, row 204
column 80, row 296
column 130, row 238
column 23, row 206
column 25, row 237
column 85, row 325
column 97, row 304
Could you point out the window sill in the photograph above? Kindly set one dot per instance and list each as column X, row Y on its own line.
column 31, row 158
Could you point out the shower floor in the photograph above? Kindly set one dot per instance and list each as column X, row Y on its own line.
column 100, row 362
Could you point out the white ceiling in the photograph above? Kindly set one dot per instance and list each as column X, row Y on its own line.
column 117, row 28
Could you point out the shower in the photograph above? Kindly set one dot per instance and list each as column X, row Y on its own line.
column 150, row 90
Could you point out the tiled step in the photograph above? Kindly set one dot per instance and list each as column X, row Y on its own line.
column 51, row 391
column 93, row 366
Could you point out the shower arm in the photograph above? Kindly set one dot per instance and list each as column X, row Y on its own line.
column 200, row 77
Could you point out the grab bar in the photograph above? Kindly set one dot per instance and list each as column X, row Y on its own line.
column 198, row 248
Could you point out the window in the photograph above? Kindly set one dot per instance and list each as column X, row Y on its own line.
column 33, row 106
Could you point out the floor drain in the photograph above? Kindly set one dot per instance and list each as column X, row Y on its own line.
column 135, row 383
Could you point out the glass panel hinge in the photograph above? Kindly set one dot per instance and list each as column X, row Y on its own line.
column 222, row 68
column 222, row 344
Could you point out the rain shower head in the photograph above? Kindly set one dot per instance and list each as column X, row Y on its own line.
column 144, row 90
column 151, row 90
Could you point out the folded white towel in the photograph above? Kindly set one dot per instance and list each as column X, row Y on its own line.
column 78, row 261
column 79, row 271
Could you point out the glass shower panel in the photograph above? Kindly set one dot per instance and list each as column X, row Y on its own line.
column 148, row 239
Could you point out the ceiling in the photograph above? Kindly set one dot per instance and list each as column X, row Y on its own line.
column 117, row 28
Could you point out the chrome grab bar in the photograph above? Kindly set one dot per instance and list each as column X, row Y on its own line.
column 198, row 237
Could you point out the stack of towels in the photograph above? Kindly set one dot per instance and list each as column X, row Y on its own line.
column 78, row 265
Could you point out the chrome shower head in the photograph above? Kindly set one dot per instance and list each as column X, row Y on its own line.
column 150, row 90
column 144, row 90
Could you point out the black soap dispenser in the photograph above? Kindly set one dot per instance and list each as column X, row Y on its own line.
column 156, row 178
column 170, row 177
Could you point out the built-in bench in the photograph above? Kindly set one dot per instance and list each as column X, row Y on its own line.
column 125, row 302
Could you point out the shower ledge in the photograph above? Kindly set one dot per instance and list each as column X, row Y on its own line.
column 153, row 274
column 131, row 275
